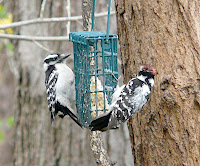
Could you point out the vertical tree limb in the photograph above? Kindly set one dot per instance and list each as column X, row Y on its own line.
column 42, row 8
column 96, row 142
column 98, row 149
column 69, row 15
column 87, row 14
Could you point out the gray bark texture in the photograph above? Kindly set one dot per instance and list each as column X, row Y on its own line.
column 87, row 14
column 96, row 141
column 37, row 142
column 165, row 34
column 98, row 149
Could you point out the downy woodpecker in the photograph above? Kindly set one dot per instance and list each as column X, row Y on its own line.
column 127, row 101
column 60, row 86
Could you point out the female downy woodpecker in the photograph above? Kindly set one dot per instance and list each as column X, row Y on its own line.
column 127, row 101
column 60, row 86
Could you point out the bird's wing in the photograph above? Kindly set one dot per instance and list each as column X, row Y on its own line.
column 51, row 92
column 126, row 104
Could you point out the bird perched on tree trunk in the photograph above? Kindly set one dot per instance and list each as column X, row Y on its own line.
column 60, row 86
column 128, row 100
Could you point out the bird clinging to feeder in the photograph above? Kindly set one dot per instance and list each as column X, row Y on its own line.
column 60, row 88
column 130, row 100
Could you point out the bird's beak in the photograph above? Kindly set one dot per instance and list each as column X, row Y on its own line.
column 63, row 57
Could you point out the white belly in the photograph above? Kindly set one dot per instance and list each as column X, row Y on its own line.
column 65, row 87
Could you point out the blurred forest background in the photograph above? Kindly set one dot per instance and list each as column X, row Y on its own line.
column 22, row 81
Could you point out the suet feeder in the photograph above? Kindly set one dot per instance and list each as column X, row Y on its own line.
column 96, row 70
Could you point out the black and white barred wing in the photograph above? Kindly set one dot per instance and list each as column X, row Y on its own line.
column 51, row 93
column 132, row 98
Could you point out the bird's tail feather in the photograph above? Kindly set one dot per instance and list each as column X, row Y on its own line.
column 74, row 117
column 67, row 111
column 101, row 122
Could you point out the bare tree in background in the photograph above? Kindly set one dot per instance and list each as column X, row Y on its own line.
column 165, row 34
column 36, row 141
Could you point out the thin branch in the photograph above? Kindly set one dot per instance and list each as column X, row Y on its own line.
column 42, row 8
column 36, row 38
column 43, row 47
column 47, row 20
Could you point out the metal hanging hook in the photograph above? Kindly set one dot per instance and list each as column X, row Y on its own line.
column 93, row 11
column 108, row 18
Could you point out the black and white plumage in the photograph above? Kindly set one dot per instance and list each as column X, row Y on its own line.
column 127, row 100
column 60, row 86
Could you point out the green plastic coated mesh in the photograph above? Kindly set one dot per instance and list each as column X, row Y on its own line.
column 96, row 72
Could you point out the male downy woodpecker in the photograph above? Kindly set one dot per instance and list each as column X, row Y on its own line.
column 130, row 99
column 60, row 86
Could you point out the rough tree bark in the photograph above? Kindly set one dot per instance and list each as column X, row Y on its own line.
column 87, row 14
column 167, row 35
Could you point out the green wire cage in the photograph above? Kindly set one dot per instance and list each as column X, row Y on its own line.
column 96, row 70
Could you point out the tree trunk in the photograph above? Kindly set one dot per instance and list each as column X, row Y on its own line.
column 37, row 142
column 165, row 34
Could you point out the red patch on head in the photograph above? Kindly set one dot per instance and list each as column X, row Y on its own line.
column 149, row 69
